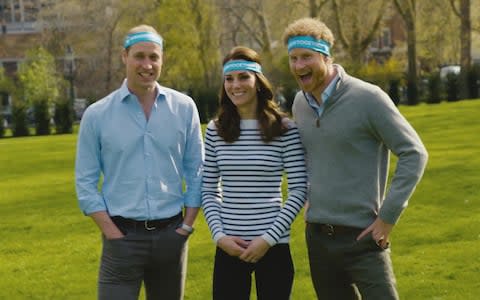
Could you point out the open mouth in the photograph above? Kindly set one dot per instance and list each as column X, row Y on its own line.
column 305, row 78
column 145, row 75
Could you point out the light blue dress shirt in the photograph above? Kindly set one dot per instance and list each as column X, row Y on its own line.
column 143, row 162
column 325, row 95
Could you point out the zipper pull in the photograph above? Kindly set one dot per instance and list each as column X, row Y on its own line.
column 317, row 122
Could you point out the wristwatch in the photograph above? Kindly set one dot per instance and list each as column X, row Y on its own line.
column 187, row 228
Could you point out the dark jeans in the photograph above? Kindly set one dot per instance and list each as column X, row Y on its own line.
column 343, row 268
column 157, row 257
column 232, row 277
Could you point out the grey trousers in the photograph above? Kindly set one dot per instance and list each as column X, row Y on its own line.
column 158, row 258
column 343, row 268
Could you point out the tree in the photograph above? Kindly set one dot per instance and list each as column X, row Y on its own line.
column 315, row 6
column 6, row 87
column 260, row 25
column 434, row 43
column 355, row 31
column 40, row 85
column 407, row 9
column 95, row 30
column 19, row 117
column 246, row 21
column 463, row 13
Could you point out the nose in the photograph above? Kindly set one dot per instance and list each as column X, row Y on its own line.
column 298, row 64
column 146, row 63
column 235, row 83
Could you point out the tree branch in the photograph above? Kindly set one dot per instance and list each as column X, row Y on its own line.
column 454, row 9
column 341, row 33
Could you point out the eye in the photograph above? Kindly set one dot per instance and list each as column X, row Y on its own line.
column 154, row 57
column 307, row 56
column 229, row 79
column 139, row 56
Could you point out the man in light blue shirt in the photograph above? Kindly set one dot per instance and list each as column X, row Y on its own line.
column 144, row 141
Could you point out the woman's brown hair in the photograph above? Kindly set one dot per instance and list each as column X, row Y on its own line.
column 268, row 115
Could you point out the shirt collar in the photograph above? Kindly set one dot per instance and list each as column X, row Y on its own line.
column 125, row 93
column 327, row 92
column 330, row 88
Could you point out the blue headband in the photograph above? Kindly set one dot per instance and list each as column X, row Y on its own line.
column 241, row 65
column 137, row 37
column 308, row 42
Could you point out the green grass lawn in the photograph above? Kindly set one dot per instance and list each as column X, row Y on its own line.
column 49, row 250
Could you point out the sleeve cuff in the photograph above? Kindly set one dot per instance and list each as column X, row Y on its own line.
column 218, row 236
column 269, row 240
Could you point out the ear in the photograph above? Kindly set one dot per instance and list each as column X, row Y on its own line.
column 327, row 59
column 124, row 56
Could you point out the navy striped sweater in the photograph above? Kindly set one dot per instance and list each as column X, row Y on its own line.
column 241, row 191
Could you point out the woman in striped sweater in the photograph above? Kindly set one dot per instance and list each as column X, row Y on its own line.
column 249, row 146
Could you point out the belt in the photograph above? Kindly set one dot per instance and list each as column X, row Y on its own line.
column 332, row 230
column 148, row 225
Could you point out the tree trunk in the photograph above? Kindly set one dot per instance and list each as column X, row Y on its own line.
column 407, row 9
column 465, row 34
column 412, row 89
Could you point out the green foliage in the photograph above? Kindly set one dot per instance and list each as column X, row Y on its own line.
column 49, row 250
column 6, row 87
column 394, row 91
column 436, row 45
column 40, row 86
column 452, row 86
column 191, row 54
column 63, row 117
column 41, row 115
column 19, row 118
column 434, row 88
column 2, row 127
column 382, row 74
column 207, row 103
column 282, row 77
column 38, row 77
column 412, row 92
column 473, row 81
column 6, row 84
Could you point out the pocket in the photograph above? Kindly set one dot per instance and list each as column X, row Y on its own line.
column 179, row 236
column 372, row 244
column 117, row 247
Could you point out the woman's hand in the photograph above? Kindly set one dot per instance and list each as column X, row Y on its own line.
column 255, row 251
column 232, row 245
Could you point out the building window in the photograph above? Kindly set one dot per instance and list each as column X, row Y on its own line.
column 10, row 67
column 386, row 38
column 18, row 15
column 4, row 100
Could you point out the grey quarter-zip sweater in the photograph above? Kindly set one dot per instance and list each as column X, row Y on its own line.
column 348, row 152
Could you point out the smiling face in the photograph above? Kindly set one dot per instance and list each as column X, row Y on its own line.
column 143, row 62
column 310, row 70
column 240, row 87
